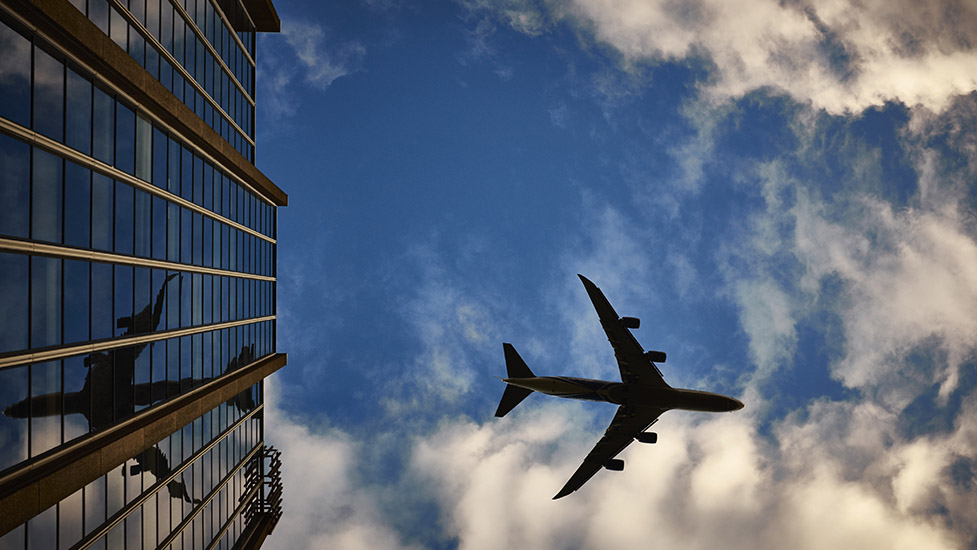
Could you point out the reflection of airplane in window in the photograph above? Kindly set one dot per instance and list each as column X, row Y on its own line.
column 153, row 460
column 244, row 401
column 642, row 394
column 109, row 379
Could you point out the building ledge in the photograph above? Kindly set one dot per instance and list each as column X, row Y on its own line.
column 263, row 15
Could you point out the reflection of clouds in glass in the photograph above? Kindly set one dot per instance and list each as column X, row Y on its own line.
column 13, row 431
column 94, row 504
column 13, row 297
column 75, row 425
column 45, row 406
column 15, row 49
column 69, row 518
column 43, row 529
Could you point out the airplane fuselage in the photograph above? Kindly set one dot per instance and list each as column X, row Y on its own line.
column 628, row 394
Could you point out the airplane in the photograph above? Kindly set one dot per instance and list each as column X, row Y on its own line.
column 642, row 394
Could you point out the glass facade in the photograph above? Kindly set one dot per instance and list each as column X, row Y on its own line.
column 134, row 269
column 202, row 51
column 186, row 490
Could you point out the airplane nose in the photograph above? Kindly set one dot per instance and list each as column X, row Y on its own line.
column 735, row 404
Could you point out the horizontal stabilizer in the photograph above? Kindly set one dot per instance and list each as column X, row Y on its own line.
column 514, row 365
column 513, row 396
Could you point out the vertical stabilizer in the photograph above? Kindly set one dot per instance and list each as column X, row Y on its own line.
column 514, row 365
column 516, row 368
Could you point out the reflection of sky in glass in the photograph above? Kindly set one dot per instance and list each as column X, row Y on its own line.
column 77, row 402
column 14, row 184
column 48, row 95
column 15, row 76
column 13, row 431
column 45, row 406
column 42, row 529
column 13, row 302
column 94, row 504
column 69, row 520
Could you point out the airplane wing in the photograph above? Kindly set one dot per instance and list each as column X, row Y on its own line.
column 628, row 422
column 635, row 367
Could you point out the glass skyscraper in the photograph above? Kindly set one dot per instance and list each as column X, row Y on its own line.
column 137, row 276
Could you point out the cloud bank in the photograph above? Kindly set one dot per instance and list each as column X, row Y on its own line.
column 838, row 56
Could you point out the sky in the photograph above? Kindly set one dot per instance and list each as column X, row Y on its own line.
column 783, row 192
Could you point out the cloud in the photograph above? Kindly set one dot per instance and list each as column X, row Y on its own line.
column 453, row 321
column 714, row 482
column 326, row 503
column 309, row 55
column 322, row 65
column 841, row 57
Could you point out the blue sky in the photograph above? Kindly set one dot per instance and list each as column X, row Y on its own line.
column 784, row 194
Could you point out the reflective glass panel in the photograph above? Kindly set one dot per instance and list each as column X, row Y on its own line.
column 42, row 530
column 76, row 301
column 94, row 504
column 45, row 301
column 142, row 219
column 159, row 158
column 144, row 149
column 77, row 205
column 77, row 397
column 142, row 301
column 123, row 300
column 48, row 95
column 45, row 406
column 159, row 228
column 14, row 184
column 15, row 66
column 13, row 303
column 103, row 127
column 69, row 520
column 103, row 192
column 173, row 171
column 158, row 350
column 125, row 138
column 103, row 322
column 78, row 111
column 13, row 423
column 124, row 212
column 46, row 196
column 173, row 232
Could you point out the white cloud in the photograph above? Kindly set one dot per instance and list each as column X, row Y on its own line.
column 713, row 481
column 322, row 64
column 839, row 56
column 454, row 323
column 311, row 57
column 911, row 281
column 326, row 503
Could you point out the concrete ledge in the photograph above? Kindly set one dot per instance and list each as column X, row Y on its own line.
column 264, row 15
column 70, row 30
column 38, row 485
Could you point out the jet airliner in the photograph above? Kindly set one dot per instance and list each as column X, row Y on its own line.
column 642, row 394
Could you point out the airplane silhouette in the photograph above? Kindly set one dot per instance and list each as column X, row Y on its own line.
column 109, row 379
column 153, row 460
column 642, row 394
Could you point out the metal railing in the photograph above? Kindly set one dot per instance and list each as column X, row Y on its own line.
column 265, row 470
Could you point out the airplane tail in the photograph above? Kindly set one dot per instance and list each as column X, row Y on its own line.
column 516, row 368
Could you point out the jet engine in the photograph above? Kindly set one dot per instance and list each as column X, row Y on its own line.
column 655, row 356
column 631, row 322
column 615, row 464
column 647, row 437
